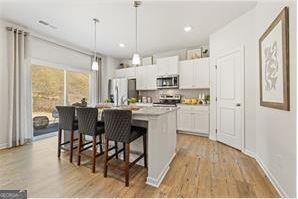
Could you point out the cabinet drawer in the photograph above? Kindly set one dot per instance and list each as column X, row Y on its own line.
column 194, row 108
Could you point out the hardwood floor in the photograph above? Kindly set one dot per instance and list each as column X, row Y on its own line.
column 201, row 168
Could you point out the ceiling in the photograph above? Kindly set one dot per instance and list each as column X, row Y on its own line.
column 161, row 23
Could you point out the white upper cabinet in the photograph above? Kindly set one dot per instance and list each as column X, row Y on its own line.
column 146, row 77
column 129, row 73
column 186, row 74
column 167, row 66
column 201, row 73
column 194, row 74
column 121, row 73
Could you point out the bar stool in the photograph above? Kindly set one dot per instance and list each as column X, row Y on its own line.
column 66, row 123
column 118, row 128
column 88, row 125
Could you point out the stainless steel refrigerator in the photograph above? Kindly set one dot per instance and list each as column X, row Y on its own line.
column 121, row 89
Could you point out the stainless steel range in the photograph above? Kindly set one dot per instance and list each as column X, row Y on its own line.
column 168, row 100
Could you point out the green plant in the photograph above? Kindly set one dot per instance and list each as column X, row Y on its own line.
column 107, row 100
column 132, row 100
column 207, row 98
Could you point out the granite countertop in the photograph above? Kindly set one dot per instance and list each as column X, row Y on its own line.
column 180, row 104
column 151, row 111
column 154, row 111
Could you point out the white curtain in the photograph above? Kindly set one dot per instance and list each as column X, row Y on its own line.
column 20, row 105
column 96, row 84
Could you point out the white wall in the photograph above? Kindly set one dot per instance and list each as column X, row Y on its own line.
column 276, row 129
column 110, row 64
column 238, row 33
column 270, row 134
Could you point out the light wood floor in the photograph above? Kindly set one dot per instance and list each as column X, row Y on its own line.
column 201, row 168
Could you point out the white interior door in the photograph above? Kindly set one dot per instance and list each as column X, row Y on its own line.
column 230, row 89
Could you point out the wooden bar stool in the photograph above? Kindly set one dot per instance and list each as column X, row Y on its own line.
column 67, row 123
column 88, row 125
column 118, row 128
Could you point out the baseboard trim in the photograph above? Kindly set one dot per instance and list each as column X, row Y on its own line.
column 249, row 153
column 155, row 182
column 272, row 179
column 3, row 145
column 193, row 133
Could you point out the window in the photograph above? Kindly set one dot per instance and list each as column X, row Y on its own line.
column 77, row 86
column 49, row 87
column 47, row 90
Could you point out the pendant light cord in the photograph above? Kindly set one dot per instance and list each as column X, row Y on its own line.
column 95, row 39
column 136, row 28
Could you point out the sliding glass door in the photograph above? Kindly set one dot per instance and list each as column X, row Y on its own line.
column 77, row 87
column 52, row 87
column 47, row 93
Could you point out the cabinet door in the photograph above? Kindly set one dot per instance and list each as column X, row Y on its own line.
column 139, row 78
column 150, row 77
column 184, row 120
column 201, row 73
column 201, row 122
column 121, row 73
column 186, row 74
column 131, row 72
column 167, row 66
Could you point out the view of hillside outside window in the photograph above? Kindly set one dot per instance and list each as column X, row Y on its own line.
column 77, row 87
column 48, row 91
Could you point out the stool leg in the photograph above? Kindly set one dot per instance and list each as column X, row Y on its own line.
column 106, row 158
column 79, row 147
column 100, row 143
column 126, row 158
column 71, row 146
column 116, row 149
column 145, row 150
column 94, row 153
column 59, row 142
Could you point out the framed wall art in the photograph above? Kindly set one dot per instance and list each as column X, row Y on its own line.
column 274, row 64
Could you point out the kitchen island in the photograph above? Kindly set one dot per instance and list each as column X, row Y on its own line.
column 161, row 138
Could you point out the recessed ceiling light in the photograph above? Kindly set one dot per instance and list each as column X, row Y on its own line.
column 187, row 28
column 121, row 45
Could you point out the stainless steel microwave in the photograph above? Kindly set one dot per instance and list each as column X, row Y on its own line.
column 169, row 81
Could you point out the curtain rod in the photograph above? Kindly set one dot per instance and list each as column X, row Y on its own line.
column 57, row 44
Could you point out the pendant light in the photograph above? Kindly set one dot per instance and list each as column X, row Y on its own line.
column 95, row 63
column 136, row 59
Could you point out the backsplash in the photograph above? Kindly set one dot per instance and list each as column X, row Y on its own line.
column 191, row 93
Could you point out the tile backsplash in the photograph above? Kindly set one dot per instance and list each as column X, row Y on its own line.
column 191, row 93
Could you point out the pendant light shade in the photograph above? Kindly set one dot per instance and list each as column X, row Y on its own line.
column 136, row 58
column 95, row 63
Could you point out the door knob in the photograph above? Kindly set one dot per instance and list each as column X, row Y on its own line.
column 238, row 104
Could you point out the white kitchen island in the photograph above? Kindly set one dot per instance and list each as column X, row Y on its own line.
column 161, row 138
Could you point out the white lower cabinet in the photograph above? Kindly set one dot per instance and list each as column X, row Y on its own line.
column 193, row 119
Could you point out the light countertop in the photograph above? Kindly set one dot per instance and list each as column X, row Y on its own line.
column 151, row 111
column 180, row 104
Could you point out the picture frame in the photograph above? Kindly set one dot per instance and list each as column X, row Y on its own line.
column 274, row 64
column 194, row 54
